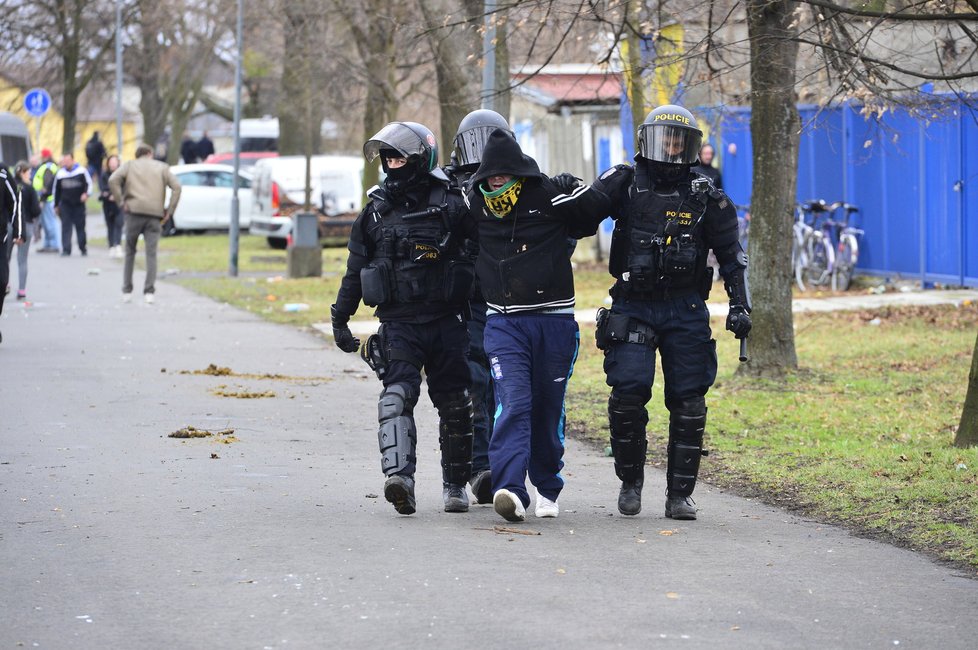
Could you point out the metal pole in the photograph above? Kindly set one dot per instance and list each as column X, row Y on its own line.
column 489, row 50
column 118, row 76
column 235, row 230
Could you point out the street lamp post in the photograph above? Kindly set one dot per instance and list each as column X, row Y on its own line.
column 235, row 230
column 118, row 76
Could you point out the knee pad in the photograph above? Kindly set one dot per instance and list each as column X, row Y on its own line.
column 685, row 450
column 455, row 436
column 627, row 419
column 397, row 435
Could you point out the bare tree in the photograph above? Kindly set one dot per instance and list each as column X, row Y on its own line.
column 774, row 126
column 967, row 435
column 173, row 48
column 456, row 45
column 63, row 44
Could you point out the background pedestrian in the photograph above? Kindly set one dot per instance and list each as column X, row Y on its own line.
column 139, row 188
column 110, row 209
column 30, row 210
column 72, row 187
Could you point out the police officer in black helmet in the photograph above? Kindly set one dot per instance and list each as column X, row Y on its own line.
column 411, row 255
column 666, row 220
column 470, row 139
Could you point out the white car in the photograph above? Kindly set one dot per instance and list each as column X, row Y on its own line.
column 280, row 188
column 205, row 198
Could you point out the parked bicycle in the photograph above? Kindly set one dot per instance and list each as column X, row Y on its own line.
column 846, row 246
column 814, row 258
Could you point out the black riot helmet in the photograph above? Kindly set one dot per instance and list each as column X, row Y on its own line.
column 670, row 135
column 415, row 142
column 473, row 133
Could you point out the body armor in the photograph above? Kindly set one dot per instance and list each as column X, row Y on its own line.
column 659, row 246
column 416, row 258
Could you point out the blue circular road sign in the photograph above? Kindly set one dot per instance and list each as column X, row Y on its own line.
column 37, row 101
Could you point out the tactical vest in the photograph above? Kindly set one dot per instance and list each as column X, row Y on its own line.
column 658, row 246
column 416, row 259
column 38, row 180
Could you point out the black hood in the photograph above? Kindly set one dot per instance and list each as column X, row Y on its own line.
column 503, row 155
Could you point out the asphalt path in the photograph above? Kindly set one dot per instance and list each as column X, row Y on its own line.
column 114, row 535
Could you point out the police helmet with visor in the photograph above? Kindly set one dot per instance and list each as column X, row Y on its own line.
column 670, row 135
column 414, row 141
column 473, row 133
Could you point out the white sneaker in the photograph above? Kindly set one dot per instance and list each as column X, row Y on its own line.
column 545, row 507
column 508, row 506
column 127, row 297
column 150, row 298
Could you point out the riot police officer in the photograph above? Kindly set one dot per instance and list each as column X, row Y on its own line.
column 409, row 258
column 470, row 139
column 666, row 220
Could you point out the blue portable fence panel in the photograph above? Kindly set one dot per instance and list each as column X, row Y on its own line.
column 915, row 182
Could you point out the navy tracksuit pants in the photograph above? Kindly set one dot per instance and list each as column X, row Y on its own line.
column 531, row 359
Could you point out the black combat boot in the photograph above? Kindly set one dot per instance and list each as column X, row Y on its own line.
column 399, row 490
column 456, row 500
column 630, row 497
column 481, row 483
column 680, row 508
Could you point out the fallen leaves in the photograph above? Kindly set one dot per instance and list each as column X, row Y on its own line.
column 226, row 436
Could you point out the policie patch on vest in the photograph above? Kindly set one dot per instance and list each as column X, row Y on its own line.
column 724, row 203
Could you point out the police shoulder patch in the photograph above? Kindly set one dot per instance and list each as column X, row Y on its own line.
column 724, row 203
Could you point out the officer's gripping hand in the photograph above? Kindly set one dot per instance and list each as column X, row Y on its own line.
column 341, row 331
column 565, row 182
column 738, row 321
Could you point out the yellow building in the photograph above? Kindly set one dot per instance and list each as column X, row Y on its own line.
column 96, row 112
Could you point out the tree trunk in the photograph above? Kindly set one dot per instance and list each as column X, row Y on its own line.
column 69, row 97
column 635, row 87
column 300, row 102
column 967, row 435
column 775, row 131
column 503, row 81
column 457, row 77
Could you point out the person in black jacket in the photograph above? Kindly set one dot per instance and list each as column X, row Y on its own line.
column 531, row 336
column 110, row 209
column 411, row 258
column 188, row 150
column 11, row 226
column 95, row 153
column 204, row 147
column 666, row 220
column 705, row 166
column 30, row 210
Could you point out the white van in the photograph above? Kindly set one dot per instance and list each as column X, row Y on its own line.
column 15, row 140
column 279, row 191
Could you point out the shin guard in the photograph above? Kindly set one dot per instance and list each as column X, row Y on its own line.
column 397, row 435
column 455, row 436
column 684, row 451
column 627, row 419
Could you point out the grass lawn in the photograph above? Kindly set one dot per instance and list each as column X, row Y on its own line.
column 861, row 435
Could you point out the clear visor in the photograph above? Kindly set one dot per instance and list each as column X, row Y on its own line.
column 394, row 136
column 669, row 144
column 470, row 143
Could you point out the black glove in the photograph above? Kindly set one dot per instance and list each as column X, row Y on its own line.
column 565, row 182
column 341, row 331
column 738, row 321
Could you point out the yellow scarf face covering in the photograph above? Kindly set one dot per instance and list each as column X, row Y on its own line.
column 500, row 202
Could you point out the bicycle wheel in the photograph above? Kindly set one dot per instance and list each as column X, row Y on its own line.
column 799, row 258
column 818, row 271
column 845, row 262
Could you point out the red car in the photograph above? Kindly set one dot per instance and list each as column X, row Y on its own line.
column 247, row 158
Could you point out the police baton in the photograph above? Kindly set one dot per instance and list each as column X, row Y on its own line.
column 743, row 349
